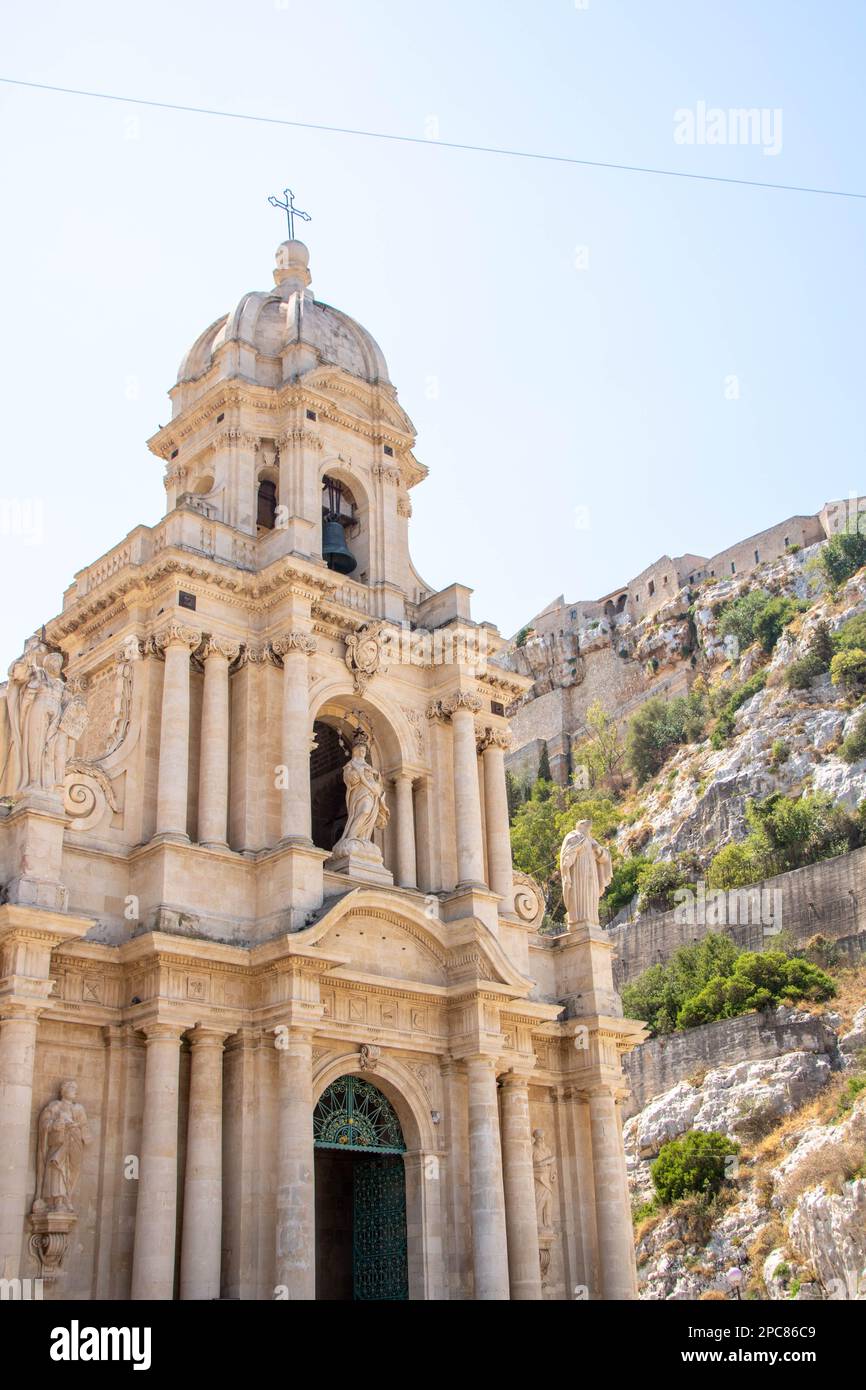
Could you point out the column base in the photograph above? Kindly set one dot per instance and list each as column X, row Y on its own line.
column 170, row 837
column 295, row 842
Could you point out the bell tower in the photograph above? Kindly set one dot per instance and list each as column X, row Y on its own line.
column 288, row 438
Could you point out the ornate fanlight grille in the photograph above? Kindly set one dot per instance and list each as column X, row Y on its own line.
column 353, row 1114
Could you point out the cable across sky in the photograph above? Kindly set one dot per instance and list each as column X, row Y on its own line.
column 430, row 143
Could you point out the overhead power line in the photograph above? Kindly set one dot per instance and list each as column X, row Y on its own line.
column 430, row 143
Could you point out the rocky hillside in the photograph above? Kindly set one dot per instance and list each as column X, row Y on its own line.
column 792, row 1217
column 783, row 739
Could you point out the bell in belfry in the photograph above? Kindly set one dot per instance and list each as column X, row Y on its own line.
column 335, row 552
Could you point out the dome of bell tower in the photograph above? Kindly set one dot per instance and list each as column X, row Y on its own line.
column 275, row 336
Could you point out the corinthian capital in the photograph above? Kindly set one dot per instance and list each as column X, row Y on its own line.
column 494, row 738
column 177, row 634
column 220, row 646
column 462, row 699
column 294, row 641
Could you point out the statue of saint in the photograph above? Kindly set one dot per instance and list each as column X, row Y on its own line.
column 62, row 1135
column 544, row 1167
column 586, row 871
column 41, row 720
column 365, row 799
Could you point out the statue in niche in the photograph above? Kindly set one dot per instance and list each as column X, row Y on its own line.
column 62, row 1136
column 586, row 871
column 544, row 1167
column 42, row 721
column 365, row 800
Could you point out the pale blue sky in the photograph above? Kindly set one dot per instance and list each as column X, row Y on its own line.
column 559, row 388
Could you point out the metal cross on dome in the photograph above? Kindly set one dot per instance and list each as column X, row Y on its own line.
column 289, row 209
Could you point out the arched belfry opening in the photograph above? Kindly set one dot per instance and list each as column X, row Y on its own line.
column 339, row 522
column 267, row 489
column 360, row 1184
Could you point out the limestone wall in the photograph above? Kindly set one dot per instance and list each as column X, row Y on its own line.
column 827, row 898
column 657, row 1065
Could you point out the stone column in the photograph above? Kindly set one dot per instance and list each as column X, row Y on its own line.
column 524, row 1266
column 296, row 1217
column 18, row 1025
column 493, row 746
column 295, row 823
column 407, row 874
column 201, row 1247
column 177, row 641
column 213, row 779
column 616, row 1259
column 487, row 1197
column 156, row 1212
column 467, row 798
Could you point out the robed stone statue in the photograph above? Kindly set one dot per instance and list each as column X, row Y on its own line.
column 544, row 1169
column 366, row 810
column 62, row 1135
column 586, row 871
column 39, row 721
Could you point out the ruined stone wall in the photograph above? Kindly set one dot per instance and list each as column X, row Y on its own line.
column 661, row 1062
column 768, row 545
column 827, row 899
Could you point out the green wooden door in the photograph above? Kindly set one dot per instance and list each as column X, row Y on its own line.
column 379, row 1270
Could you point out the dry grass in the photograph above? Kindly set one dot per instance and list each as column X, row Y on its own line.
column 850, row 985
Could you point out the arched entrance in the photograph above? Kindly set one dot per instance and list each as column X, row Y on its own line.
column 360, row 1194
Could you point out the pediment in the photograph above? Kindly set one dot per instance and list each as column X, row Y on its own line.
column 376, row 932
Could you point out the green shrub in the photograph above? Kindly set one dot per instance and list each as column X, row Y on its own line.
column 657, row 995
column 734, row 699
column 658, row 882
column 779, row 753
column 758, row 616
column 800, row 674
column 694, row 1164
column 851, row 634
column 848, row 668
column 623, row 884
column 854, row 746
column 735, row 866
column 759, row 980
column 658, row 727
column 774, row 618
column 815, row 662
column 788, row 832
column 843, row 555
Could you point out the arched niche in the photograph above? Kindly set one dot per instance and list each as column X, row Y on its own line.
column 336, row 722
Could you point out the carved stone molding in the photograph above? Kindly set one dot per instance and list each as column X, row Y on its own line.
column 368, row 1057
column 294, row 641
column 494, row 738
column 529, row 901
column 365, row 654
column 87, row 794
column 254, row 656
column 462, row 699
column 220, row 646
column 50, row 1241
column 177, row 633
column 304, row 438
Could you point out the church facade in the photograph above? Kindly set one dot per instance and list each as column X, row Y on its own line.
column 276, row 1018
